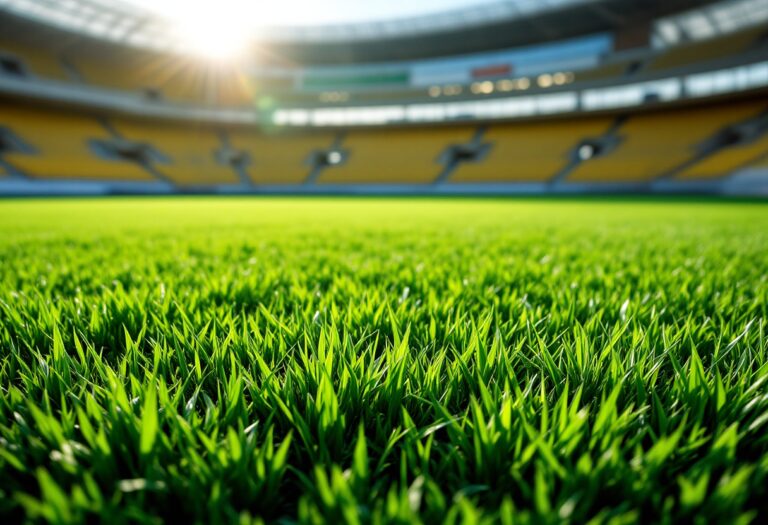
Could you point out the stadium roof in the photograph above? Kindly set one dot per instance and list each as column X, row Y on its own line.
column 135, row 22
column 491, row 24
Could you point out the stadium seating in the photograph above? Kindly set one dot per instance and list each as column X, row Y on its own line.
column 277, row 159
column 36, row 62
column 174, row 79
column 653, row 144
column 602, row 72
column 650, row 145
column 403, row 156
column 190, row 151
column 707, row 50
column 232, row 87
column 727, row 160
column 529, row 152
column 60, row 141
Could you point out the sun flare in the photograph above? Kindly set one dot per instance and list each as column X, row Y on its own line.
column 219, row 31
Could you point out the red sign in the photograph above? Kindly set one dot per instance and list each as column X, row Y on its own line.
column 498, row 70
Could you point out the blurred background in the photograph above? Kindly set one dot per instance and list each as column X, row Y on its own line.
column 384, row 97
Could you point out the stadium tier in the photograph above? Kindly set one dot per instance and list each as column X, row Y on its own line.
column 278, row 159
column 178, row 80
column 232, row 87
column 61, row 145
column 533, row 152
column 27, row 60
column 408, row 156
column 727, row 160
column 688, row 143
column 650, row 146
column 182, row 79
column 156, row 76
column 605, row 71
column 711, row 49
column 187, row 155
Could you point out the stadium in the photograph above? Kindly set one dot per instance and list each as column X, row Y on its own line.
column 492, row 98
column 441, row 261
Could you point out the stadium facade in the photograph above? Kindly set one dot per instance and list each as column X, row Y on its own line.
column 564, row 96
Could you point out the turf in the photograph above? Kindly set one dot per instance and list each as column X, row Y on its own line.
column 374, row 361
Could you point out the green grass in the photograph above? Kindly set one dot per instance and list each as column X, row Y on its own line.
column 373, row 361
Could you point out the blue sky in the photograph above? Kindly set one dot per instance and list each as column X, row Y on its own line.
column 313, row 12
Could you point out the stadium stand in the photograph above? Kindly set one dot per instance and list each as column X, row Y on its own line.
column 23, row 60
column 173, row 79
column 402, row 156
column 232, row 87
column 530, row 152
column 60, row 146
column 708, row 50
column 278, row 159
column 727, row 160
column 603, row 72
column 653, row 144
column 653, row 100
column 190, row 151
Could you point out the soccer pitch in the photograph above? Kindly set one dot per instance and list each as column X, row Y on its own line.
column 232, row 360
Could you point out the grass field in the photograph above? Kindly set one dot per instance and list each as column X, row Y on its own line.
column 375, row 361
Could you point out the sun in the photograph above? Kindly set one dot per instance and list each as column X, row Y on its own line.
column 219, row 31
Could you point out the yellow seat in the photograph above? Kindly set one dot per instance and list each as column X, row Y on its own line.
column 529, row 152
column 404, row 156
column 278, row 159
column 727, row 160
column 61, row 141
column 601, row 72
column 655, row 143
column 762, row 162
column 232, row 87
column 190, row 148
column 707, row 50
column 38, row 62
column 175, row 78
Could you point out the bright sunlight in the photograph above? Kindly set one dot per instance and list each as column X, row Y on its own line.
column 222, row 29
